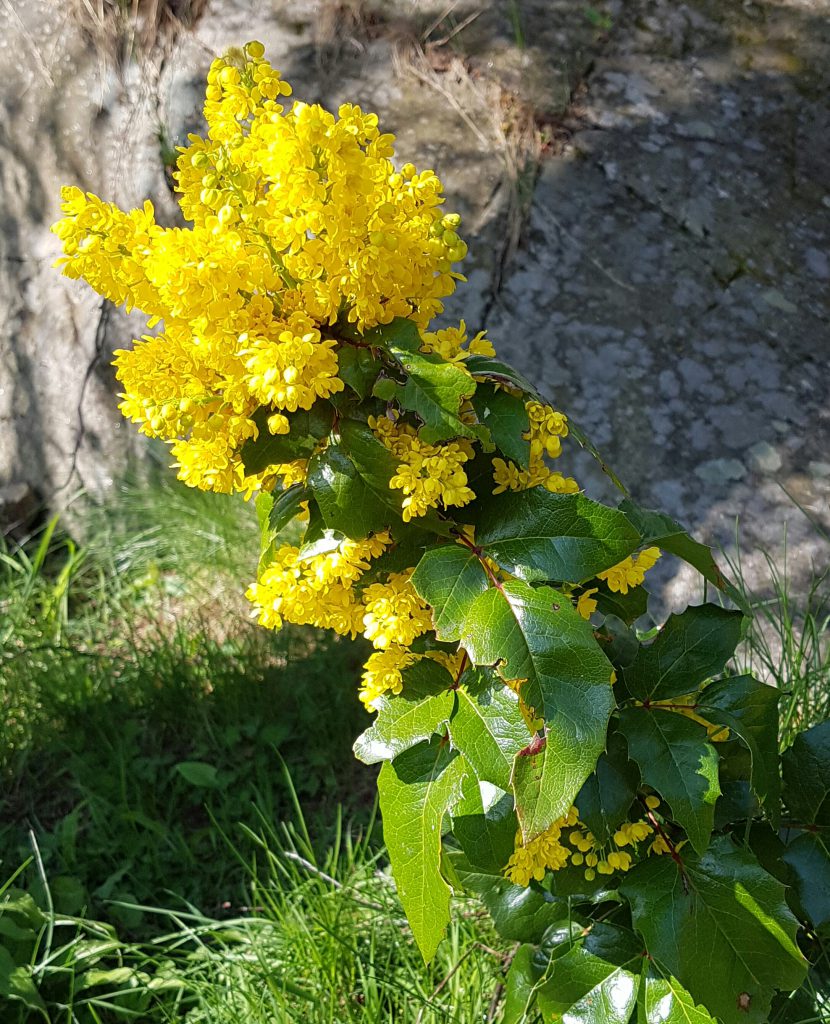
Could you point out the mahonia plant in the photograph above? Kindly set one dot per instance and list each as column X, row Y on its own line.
column 614, row 798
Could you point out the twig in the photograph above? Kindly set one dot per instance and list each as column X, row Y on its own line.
column 459, row 28
column 443, row 982
column 312, row 869
column 434, row 25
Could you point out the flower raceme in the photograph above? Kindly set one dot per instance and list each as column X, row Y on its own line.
column 304, row 239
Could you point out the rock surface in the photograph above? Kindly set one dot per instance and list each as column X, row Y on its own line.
column 646, row 194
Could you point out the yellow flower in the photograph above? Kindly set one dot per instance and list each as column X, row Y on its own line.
column 586, row 605
column 429, row 475
column 630, row 572
column 394, row 613
column 382, row 673
column 546, row 429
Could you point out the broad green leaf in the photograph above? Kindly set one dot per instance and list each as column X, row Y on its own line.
column 750, row 710
column 806, row 767
column 16, row 983
column 449, row 579
column 285, row 507
column 506, row 418
column 676, row 759
column 484, row 824
column 434, row 390
column 619, row 641
column 346, row 501
column 358, row 368
column 519, row 914
column 496, row 370
column 721, row 926
column 401, row 332
column 663, row 1000
column 520, row 987
column 606, row 798
column 539, row 536
column 536, row 635
column 692, row 647
column 488, row 727
column 199, row 773
column 596, row 980
column 375, row 463
column 416, row 790
column 628, row 607
column 809, row 858
column 661, row 530
column 306, row 428
column 410, row 717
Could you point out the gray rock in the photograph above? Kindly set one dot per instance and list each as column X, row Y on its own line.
column 764, row 458
column 720, row 471
column 820, row 470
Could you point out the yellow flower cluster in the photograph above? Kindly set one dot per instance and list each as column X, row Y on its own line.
column 631, row 571
column 430, row 475
column 297, row 217
column 544, row 853
column 315, row 590
column 382, row 673
column 452, row 343
column 547, row 428
column 549, row 852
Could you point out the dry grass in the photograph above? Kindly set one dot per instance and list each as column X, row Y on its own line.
column 123, row 29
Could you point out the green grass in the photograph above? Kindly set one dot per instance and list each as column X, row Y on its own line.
column 788, row 643
column 143, row 714
column 324, row 941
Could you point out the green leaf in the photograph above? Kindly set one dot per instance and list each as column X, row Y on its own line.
column 434, row 390
column 520, row 987
column 606, row 798
column 537, row 535
column 596, row 980
column 536, row 635
column 306, row 428
column 401, row 332
column 486, row 832
column 346, row 501
column 496, row 370
column 286, row 506
column 487, row 726
column 690, row 648
column 663, row 1000
column 16, row 982
column 373, row 460
column 750, row 710
column 806, row 767
column 449, row 579
column 358, row 368
column 519, row 914
column 506, row 418
column 809, row 858
column 676, row 759
column 199, row 773
column 410, row 717
column 721, row 927
column 667, row 534
column 416, row 790
column 618, row 641
column 628, row 607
